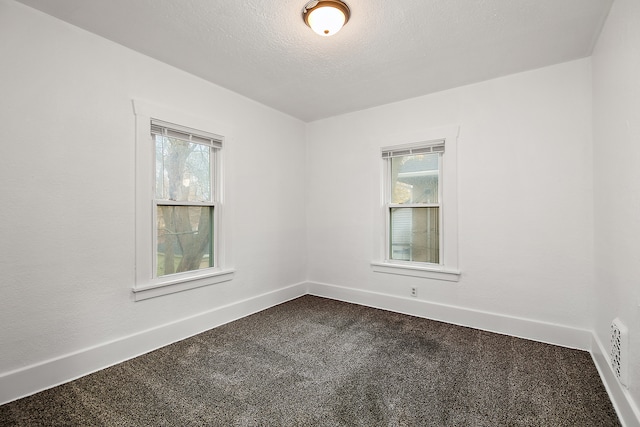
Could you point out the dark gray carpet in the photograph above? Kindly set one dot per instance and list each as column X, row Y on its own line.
column 318, row 362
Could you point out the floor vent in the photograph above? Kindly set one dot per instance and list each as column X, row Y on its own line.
column 619, row 346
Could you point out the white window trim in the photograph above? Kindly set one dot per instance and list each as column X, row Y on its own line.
column 146, row 285
column 448, row 270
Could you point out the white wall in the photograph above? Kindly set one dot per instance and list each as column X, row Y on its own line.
column 67, row 174
column 616, row 87
column 525, row 196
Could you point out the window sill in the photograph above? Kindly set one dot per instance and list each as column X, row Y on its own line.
column 441, row 273
column 179, row 283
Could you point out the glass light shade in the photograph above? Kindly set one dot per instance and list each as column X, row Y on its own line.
column 326, row 17
column 326, row 20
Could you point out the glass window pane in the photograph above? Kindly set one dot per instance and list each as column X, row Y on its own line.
column 184, row 238
column 415, row 234
column 183, row 170
column 414, row 179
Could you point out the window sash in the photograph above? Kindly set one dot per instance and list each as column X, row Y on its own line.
column 212, row 190
column 191, row 260
column 422, row 249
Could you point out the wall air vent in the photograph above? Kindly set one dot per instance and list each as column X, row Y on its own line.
column 619, row 350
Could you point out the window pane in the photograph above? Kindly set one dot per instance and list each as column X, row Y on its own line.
column 415, row 234
column 184, row 238
column 183, row 170
column 414, row 179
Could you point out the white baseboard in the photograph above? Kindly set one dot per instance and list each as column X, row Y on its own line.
column 627, row 410
column 35, row 378
column 507, row 325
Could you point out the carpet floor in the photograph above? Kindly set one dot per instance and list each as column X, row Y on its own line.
column 318, row 362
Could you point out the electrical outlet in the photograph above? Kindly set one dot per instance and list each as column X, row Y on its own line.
column 414, row 292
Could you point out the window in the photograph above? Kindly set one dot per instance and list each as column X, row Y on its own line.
column 178, row 203
column 420, row 208
column 184, row 198
column 413, row 203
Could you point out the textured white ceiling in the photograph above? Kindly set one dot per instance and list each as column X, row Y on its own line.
column 389, row 50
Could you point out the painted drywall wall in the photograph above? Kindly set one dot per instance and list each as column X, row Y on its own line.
column 525, row 195
column 67, row 168
column 616, row 88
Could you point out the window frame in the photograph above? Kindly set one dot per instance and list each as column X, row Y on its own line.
column 447, row 269
column 147, row 284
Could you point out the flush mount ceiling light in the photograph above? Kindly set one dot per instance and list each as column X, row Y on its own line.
column 326, row 17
